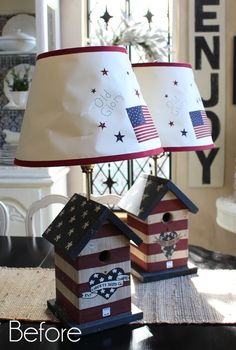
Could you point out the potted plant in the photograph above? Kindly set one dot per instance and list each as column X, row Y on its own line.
column 19, row 85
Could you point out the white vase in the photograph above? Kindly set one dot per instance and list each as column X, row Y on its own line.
column 20, row 98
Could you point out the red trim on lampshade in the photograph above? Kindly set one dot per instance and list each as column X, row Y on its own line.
column 162, row 64
column 81, row 50
column 95, row 160
column 189, row 148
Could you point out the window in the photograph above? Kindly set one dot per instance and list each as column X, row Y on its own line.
column 146, row 31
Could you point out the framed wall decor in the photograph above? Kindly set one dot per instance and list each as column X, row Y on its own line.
column 207, row 55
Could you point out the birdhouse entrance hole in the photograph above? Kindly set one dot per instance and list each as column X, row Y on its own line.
column 167, row 217
column 104, row 256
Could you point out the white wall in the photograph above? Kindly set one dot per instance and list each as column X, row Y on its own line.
column 17, row 6
column 203, row 228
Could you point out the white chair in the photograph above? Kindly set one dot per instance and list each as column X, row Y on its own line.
column 40, row 204
column 107, row 199
column 4, row 219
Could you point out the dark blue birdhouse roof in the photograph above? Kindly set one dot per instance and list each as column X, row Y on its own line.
column 78, row 222
column 147, row 192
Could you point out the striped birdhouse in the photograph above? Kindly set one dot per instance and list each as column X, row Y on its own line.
column 92, row 261
column 158, row 213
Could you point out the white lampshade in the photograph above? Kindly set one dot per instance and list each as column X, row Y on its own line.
column 176, row 105
column 85, row 106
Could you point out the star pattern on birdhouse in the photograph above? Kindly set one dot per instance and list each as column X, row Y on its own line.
column 159, row 187
column 57, row 238
column 85, row 213
column 145, row 195
column 76, row 218
column 72, row 230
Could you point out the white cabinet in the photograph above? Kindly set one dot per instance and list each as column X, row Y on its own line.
column 19, row 187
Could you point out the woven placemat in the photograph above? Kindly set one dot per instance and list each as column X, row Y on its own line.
column 24, row 293
column 209, row 297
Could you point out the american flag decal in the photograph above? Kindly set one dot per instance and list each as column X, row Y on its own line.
column 200, row 124
column 142, row 123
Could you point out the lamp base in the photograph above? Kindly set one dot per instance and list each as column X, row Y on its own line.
column 88, row 170
column 95, row 326
column 145, row 276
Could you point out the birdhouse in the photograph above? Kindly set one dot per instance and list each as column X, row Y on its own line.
column 92, row 266
column 158, row 213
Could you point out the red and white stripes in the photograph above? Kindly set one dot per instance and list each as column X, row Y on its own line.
column 73, row 278
column 156, row 253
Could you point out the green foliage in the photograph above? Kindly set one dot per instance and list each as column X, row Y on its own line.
column 19, row 82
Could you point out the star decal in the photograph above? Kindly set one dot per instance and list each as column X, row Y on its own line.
column 119, row 137
column 72, row 219
column 69, row 245
column 56, row 239
column 104, row 72
column 102, row 125
column 97, row 208
column 175, row 82
column 184, row 132
column 73, row 198
column 83, row 203
column 166, row 96
column 171, row 123
column 137, row 93
column 70, row 232
column 72, row 208
column 60, row 224
column 148, row 183
column 85, row 213
column 127, row 73
column 159, row 187
column 85, row 225
column 93, row 91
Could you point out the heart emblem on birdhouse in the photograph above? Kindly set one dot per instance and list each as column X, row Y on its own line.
column 168, row 241
column 105, row 285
